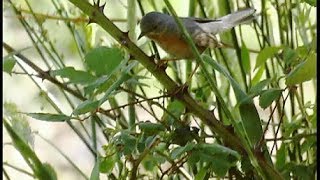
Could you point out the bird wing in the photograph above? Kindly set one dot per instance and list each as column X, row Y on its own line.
column 229, row 21
column 203, row 20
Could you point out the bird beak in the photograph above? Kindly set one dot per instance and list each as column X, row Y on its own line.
column 141, row 35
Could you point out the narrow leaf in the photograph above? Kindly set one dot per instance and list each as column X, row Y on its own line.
column 49, row 117
column 303, row 72
column 265, row 54
column 151, row 128
column 248, row 112
column 256, row 78
column 281, row 157
column 123, row 78
column 95, row 174
column 251, row 121
column 256, row 89
column 268, row 96
column 86, row 106
column 175, row 108
column 289, row 55
column 74, row 76
column 177, row 152
column 8, row 64
column 245, row 58
column 104, row 60
column 107, row 164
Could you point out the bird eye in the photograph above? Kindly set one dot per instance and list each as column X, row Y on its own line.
column 155, row 26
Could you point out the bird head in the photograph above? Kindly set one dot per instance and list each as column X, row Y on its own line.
column 152, row 23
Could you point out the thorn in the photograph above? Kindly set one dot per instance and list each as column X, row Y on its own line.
column 180, row 90
column 101, row 8
column 123, row 41
column 91, row 21
column 97, row 5
column 126, row 33
column 131, row 57
column 212, row 111
column 153, row 56
column 162, row 65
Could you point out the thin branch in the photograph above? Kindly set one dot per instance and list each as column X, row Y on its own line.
column 18, row 169
column 59, row 18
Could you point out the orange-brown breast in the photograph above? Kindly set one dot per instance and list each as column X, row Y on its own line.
column 174, row 45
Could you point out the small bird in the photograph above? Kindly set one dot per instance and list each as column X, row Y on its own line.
column 163, row 29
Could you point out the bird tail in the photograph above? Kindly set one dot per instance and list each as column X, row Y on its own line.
column 239, row 17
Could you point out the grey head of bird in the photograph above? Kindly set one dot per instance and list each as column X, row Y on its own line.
column 153, row 22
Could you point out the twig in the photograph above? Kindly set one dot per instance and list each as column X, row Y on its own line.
column 59, row 18
column 136, row 162
column 281, row 119
column 18, row 169
column 297, row 137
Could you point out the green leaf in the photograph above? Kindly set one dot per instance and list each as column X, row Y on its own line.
column 303, row 72
column 178, row 151
column 219, row 158
column 309, row 144
column 201, row 174
column 175, row 108
column 289, row 56
column 239, row 93
column 74, row 76
column 311, row 2
column 212, row 149
column 248, row 112
column 251, row 122
column 104, row 60
column 182, row 135
column 50, row 170
column 256, row 89
column 256, row 78
column 8, row 64
column 130, row 143
column 151, row 128
column 101, row 84
column 290, row 127
column 265, row 54
column 95, row 171
column 299, row 171
column 127, row 141
column 41, row 171
column 86, row 106
column 246, row 165
column 220, row 165
column 107, row 164
column 49, row 117
column 281, row 157
column 245, row 59
column 268, row 96
column 123, row 78
column 149, row 163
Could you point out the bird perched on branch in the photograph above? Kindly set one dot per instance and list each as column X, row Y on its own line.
column 163, row 29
